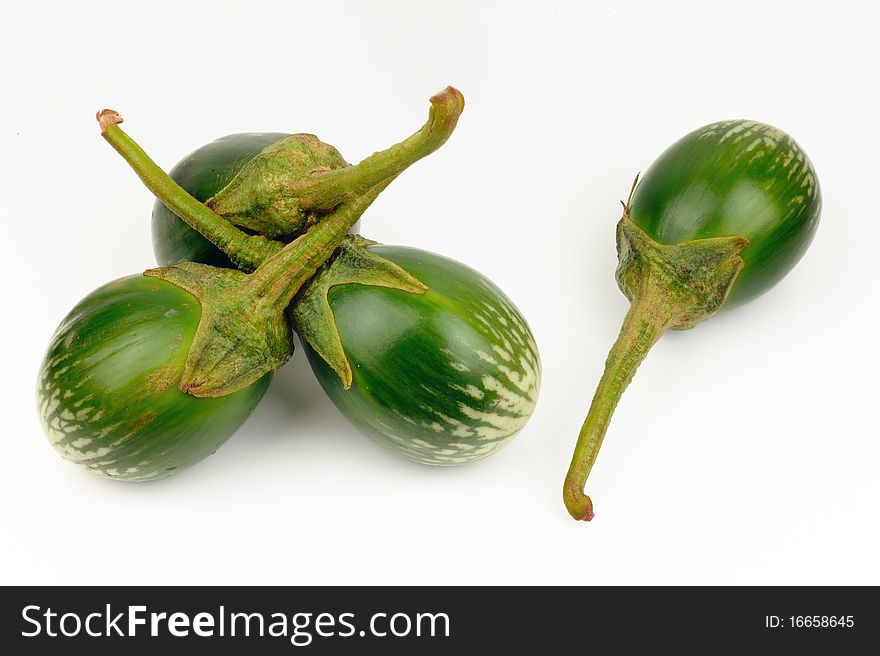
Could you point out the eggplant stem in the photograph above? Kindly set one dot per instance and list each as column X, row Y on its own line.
column 670, row 287
column 645, row 322
column 323, row 191
column 244, row 250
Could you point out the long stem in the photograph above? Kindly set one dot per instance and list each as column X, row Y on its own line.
column 246, row 251
column 647, row 319
column 670, row 286
column 325, row 191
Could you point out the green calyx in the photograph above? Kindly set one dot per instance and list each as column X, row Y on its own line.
column 688, row 282
column 267, row 195
column 353, row 263
column 237, row 339
column 669, row 287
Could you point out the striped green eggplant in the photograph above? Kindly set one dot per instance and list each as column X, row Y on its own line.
column 107, row 391
column 740, row 178
column 718, row 219
column 444, row 377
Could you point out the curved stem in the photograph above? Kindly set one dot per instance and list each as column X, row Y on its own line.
column 670, row 286
column 324, row 191
column 246, row 251
column 647, row 319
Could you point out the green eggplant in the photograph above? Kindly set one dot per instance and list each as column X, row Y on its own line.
column 719, row 218
column 107, row 391
column 734, row 178
column 444, row 377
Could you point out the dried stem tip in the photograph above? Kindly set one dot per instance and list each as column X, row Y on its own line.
column 108, row 117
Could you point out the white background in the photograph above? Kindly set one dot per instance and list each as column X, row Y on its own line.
column 745, row 451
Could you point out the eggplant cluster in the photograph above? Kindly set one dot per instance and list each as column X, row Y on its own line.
column 255, row 238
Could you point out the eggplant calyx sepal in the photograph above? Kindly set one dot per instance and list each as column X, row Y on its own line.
column 263, row 196
column 353, row 263
column 691, row 280
column 237, row 341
